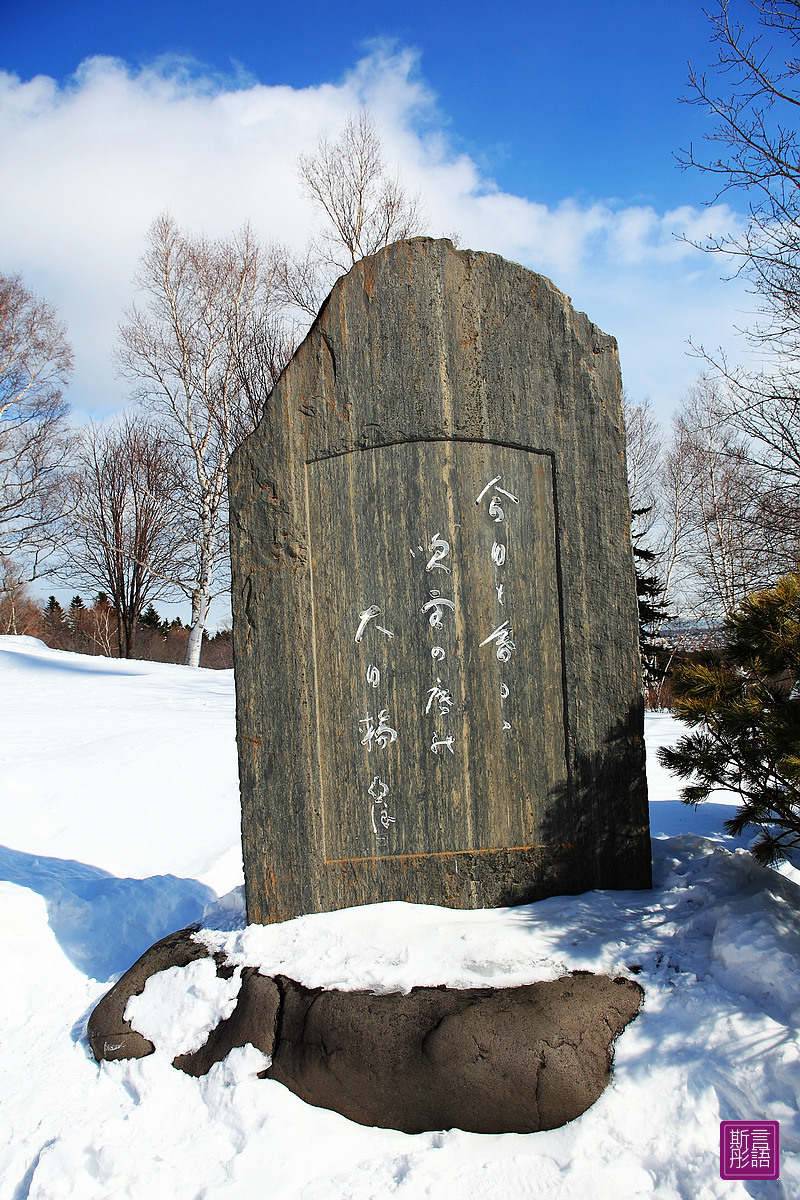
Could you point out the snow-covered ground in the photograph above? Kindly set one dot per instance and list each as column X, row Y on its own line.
column 119, row 823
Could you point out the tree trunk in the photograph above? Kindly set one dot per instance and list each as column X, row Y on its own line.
column 199, row 615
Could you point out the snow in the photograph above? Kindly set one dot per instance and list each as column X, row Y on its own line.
column 119, row 823
column 180, row 1005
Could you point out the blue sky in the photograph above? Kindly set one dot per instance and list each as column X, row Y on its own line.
column 544, row 132
column 579, row 97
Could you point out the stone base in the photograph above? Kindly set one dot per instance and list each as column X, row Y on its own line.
column 486, row 1060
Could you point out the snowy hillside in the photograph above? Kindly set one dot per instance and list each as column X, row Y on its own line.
column 119, row 823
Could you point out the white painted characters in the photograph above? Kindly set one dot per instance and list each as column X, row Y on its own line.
column 440, row 549
column 436, row 606
column 364, row 618
column 379, row 791
column 373, row 675
column 505, row 646
column 495, row 510
column 494, row 501
column 380, row 733
column 440, row 696
column 385, row 820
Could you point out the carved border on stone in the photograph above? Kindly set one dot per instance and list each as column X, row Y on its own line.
column 465, row 468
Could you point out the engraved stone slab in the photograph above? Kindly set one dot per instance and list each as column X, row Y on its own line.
column 437, row 743
column 434, row 606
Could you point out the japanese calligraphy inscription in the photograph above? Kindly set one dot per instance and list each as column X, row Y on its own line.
column 435, row 621
column 429, row 639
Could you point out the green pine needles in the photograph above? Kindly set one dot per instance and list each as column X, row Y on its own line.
column 746, row 713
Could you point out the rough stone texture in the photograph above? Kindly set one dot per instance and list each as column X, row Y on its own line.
column 252, row 1021
column 508, row 1060
column 110, row 1035
column 430, row 374
column 514, row 1060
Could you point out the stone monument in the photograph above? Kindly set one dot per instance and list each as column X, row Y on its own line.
column 435, row 620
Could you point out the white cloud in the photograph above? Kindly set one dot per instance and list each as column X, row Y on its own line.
column 87, row 166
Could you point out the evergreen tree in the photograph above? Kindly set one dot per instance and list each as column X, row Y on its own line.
column 54, row 614
column 77, row 612
column 55, row 623
column 150, row 619
column 77, row 620
column 653, row 607
column 746, row 712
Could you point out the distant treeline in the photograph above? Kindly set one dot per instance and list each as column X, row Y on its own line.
column 92, row 629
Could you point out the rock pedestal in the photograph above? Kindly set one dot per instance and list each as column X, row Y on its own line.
column 488, row 1060
column 435, row 621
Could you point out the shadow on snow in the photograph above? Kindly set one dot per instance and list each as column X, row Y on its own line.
column 102, row 923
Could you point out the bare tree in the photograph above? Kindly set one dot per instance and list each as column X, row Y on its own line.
column 203, row 355
column 705, row 505
column 364, row 208
column 753, row 95
column 724, row 537
column 678, row 503
column 102, row 623
column 658, row 487
column 643, row 449
column 35, row 366
column 644, row 463
column 19, row 614
column 643, row 459
column 120, row 529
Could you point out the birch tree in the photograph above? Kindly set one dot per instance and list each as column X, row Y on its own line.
column 203, row 352
column 752, row 147
column 361, row 204
column 721, row 497
column 35, row 367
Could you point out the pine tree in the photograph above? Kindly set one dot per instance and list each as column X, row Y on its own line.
column 77, row 620
column 746, row 712
column 653, row 607
column 150, row 618
column 54, row 614
column 77, row 612
column 54, row 622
